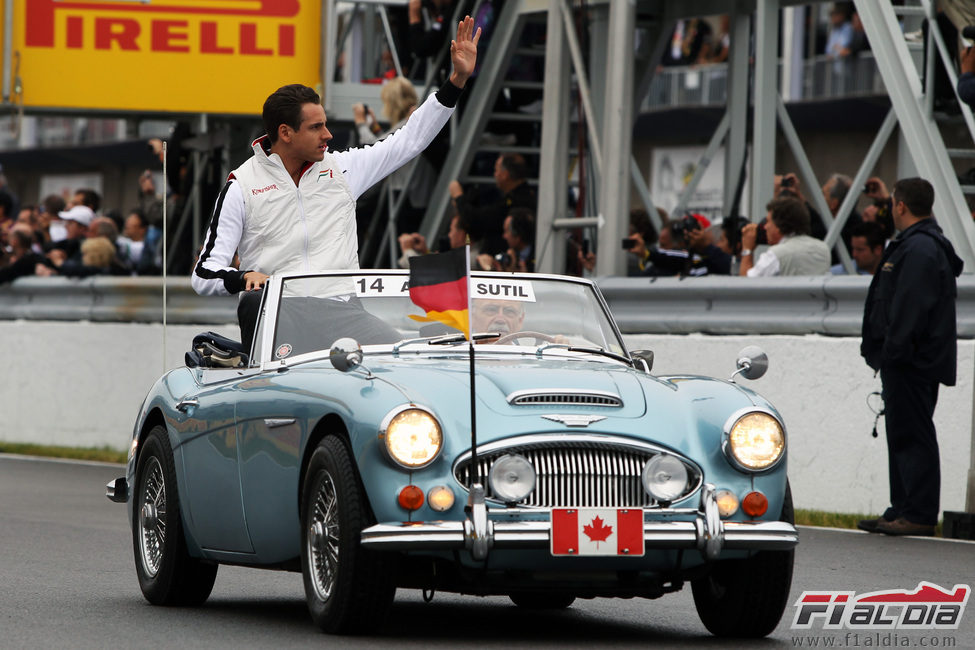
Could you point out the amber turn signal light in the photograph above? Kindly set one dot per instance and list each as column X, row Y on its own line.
column 411, row 498
column 754, row 504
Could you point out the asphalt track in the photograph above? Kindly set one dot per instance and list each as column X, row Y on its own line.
column 67, row 581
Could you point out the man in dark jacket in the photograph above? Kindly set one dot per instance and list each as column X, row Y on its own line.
column 909, row 335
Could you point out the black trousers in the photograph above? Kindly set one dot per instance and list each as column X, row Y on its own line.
column 248, row 309
column 912, row 446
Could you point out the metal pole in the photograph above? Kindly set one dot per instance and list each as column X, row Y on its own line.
column 737, row 111
column 328, row 52
column 8, row 47
column 763, row 121
column 614, row 194
column 553, row 172
column 808, row 177
column 702, row 166
column 873, row 154
column 583, row 80
column 390, row 41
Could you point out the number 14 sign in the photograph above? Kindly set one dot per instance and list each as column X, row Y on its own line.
column 597, row 531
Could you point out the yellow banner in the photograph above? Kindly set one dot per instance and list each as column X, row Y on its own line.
column 196, row 56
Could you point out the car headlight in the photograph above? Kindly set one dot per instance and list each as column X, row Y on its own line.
column 512, row 478
column 413, row 437
column 755, row 440
column 664, row 477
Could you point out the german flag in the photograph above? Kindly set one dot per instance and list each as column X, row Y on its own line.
column 439, row 286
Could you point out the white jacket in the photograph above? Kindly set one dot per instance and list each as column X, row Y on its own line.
column 278, row 227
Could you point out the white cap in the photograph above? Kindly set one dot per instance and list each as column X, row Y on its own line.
column 80, row 213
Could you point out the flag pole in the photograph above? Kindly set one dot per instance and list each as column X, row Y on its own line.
column 475, row 476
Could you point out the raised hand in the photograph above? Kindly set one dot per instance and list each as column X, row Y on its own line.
column 463, row 52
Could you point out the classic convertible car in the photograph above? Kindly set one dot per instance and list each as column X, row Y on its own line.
column 341, row 446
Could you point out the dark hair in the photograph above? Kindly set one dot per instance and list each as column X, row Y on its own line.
column 790, row 216
column 7, row 203
column 515, row 165
column 916, row 193
column 732, row 230
column 53, row 204
column 283, row 106
column 140, row 215
column 23, row 239
column 872, row 231
column 91, row 198
column 523, row 224
column 640, row 223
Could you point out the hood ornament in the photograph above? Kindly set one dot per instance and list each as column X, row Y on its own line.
column 573, row 420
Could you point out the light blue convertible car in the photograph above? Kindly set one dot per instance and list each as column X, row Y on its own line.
column 341, row 447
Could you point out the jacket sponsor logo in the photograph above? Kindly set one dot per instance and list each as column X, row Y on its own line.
column 171, row 26
column 325, row 172
column 272, row 186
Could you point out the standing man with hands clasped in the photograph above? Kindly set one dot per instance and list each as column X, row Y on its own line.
column 291, row 206
column 909, row 336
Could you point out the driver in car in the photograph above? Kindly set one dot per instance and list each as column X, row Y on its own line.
column 503, row 316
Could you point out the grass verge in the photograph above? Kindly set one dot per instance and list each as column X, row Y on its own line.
column 103, row 454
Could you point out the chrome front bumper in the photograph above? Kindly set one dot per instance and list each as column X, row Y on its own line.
column 706, row 532
column 117, row 490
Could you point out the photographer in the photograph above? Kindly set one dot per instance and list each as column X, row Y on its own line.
column 792, row 251
column 686, row 249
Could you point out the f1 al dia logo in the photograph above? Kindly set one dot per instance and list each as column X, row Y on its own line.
column 929, row 607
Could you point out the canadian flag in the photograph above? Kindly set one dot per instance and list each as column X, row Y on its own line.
column 597, row 531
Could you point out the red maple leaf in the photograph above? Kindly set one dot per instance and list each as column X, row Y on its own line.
column 597, row 531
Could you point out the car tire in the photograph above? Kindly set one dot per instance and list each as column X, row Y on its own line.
column 167, row 573
column 746, row 598
column 537, row 601
column 348, row 588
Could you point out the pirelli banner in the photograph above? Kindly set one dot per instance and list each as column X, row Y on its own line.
column 195, row 56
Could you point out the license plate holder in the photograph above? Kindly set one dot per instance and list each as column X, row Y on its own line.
column 578, row 532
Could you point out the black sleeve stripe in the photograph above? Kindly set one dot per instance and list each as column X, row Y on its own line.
column 232, row 280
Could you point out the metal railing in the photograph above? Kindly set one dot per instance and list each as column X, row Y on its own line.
column 707, row 85
column 829, row 304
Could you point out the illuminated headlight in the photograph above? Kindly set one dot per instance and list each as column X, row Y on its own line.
column 664, row 477
column 512, row 478
column 413, row 438
column 755, row 441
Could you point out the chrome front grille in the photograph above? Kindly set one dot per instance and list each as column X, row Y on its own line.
column 578, row 471
column 565, row 398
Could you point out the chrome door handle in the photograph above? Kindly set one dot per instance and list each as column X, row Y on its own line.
column 184, row 405
column 271, row 423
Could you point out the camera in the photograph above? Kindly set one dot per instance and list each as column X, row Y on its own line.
column 503, row 259
column 681, row 227
column 788, row 181
column 870, row 187
column 628, row 244
column 761, row 237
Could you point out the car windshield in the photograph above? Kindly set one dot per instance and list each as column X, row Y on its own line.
column 374, row 308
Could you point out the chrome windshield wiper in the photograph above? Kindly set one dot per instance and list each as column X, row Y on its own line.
column 571, row 348
column 444, row 339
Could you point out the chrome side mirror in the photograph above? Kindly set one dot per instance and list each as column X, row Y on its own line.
column 752, row 363
column 345, row 355
column 642, row 360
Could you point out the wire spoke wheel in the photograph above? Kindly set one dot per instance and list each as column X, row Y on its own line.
column 323, row 538
column 168, row 574
column 349, row 589
column 152, row 517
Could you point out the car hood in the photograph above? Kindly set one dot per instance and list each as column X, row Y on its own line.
column 552, row 383
column 685, row 412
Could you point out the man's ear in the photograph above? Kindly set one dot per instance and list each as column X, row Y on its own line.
column 285, row 133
